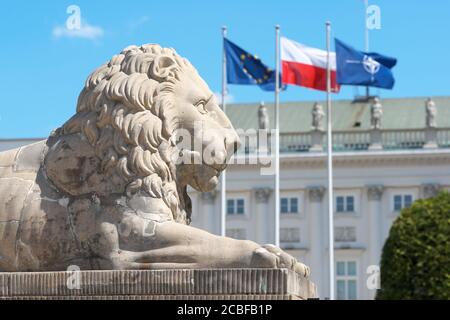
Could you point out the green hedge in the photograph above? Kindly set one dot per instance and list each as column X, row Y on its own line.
column 415, row 262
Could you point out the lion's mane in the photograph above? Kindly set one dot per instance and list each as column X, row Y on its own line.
column 125, row 111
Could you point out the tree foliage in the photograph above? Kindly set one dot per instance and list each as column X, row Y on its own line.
column 415, row 262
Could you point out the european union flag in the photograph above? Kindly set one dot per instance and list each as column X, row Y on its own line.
column 245, row 68
column 361, row 68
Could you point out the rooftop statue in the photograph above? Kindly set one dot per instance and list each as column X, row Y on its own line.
column 431, row 111
column 107, row 190
column 376, row 112
column 317, row 117
column 263, row 117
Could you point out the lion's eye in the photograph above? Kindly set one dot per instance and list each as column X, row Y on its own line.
column 201, row 107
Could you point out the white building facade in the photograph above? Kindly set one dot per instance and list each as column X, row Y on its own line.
column 377, row 172
column 367, row 192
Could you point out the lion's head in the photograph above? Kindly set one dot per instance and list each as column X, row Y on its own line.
column 125, row 136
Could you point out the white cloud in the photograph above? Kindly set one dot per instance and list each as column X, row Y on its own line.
column 137, row 23
column 85, row 31
column 228, row 98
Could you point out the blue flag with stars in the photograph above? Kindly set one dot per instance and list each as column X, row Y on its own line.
column 245, row 68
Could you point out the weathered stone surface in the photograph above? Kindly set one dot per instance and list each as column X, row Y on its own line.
column 8, row 158
column 108, row 189
column 159, row 284
column 28, row 157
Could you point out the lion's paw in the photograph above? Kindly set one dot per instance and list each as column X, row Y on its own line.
column 270, row 256
column 262, row 258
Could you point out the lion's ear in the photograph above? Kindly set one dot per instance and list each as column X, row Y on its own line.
column 162, row 67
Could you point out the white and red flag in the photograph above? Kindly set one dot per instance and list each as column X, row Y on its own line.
column 306, row 67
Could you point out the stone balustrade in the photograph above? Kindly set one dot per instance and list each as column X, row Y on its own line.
column 358, row 140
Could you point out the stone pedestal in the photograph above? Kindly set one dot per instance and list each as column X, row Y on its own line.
column 430, row 138
column 375, row 140
column 316, row 141
column 201, row 284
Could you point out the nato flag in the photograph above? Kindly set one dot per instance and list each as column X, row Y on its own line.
column 245, row 68
column 365, row 69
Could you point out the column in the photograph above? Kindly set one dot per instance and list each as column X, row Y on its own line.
column 211, row 218
column 263, row 233
column 374, row 195
column 316, row 237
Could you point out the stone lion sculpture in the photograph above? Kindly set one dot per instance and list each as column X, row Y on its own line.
column 104, row 190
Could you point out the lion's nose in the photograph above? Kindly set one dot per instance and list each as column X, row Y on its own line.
column 220, row 160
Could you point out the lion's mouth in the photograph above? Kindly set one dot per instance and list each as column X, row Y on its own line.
column 215, row 170
column 210, row 170
column 205, row 177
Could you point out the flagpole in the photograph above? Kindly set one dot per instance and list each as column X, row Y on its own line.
column 277, row 136
column 223, row 181
column 330, row 168
column 366, row 40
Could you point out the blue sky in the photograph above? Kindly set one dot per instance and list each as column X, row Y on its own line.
column 44, row 68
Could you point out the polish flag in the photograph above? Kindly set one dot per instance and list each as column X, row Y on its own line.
column 307, row 67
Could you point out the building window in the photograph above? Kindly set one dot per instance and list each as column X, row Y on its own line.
column 289, row 205
column 289, row 235
column 345, row 234
column 345, row 204
column 235, row 206
column 346, row 280
column 402, row 201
